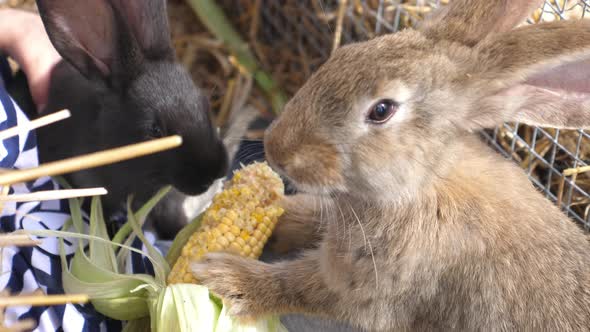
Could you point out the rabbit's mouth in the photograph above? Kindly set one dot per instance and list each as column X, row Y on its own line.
column 305, row 187
column 314, row 190
column 193, row 190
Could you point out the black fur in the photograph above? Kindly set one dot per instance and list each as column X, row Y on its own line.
column 122, row 84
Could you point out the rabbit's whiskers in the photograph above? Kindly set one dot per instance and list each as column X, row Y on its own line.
column 367, row 242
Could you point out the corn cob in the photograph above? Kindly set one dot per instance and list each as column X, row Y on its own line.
column 239, row 220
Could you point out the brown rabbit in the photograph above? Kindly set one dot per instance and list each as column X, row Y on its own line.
column 424, row 227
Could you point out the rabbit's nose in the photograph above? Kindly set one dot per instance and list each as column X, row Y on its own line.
column 274, row 148
column 273, row 158
column 198, row 171
column 224, row 161
column 280, row 164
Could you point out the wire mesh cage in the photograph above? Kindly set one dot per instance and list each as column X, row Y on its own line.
column 549, row 155
column 291, row 38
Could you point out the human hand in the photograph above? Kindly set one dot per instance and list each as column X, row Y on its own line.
column 23, row 38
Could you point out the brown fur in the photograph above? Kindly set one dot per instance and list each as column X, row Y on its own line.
column 301, row 225
column 425, row 228
column 468, row 22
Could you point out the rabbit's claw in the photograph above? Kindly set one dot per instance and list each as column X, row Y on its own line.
column 235, row 280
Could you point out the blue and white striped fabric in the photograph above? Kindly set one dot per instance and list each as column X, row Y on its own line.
column 25, row 270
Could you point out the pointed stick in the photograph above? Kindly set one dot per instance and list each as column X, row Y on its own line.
column 18, row 240
column 21, row 325
column 4, row 190
column 40, row 122
column 91, row 160
column 48, row 195
column 42, row 300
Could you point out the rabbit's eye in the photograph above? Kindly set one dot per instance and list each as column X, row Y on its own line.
column 156, row 131
column 382, row 111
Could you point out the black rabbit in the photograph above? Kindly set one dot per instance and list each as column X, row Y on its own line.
column 122, row 84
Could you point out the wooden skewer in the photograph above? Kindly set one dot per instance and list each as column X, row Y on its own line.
column 18, row 240
column 21, row 325
column 4, row 190
column 91, row 160
column 40, row 122
column 53, row 194
column 42, row 300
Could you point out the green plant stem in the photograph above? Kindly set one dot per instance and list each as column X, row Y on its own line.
column 122, row 233
column 126, row 229
column 215, row 20
column 181, row 239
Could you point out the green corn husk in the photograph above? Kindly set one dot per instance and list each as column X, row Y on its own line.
column 145, row 301
column 226, row 324
column 196, row 309
column 181, row 239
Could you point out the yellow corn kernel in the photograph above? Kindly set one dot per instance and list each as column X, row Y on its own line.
column 244, row 235
column 253, row 241
column 226, row 221
column 239, row 220
column 257, row 234
column 187, row 278
column 223, row 228
column 215, row 232
column 230, row 237
column 214, row 247
column 235, row 248
column 231, row 215
column 235, row 230
column 223, row 241
column 245, row 191
column 257, row 216
column 240, row 242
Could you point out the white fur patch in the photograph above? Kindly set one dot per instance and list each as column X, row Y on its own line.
column 195, row 205
column 396, row 90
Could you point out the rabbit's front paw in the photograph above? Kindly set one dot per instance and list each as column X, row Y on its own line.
column 290, row 235
column 236, row 280
column 294, row 232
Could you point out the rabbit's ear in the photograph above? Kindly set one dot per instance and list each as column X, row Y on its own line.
column 470, row 21
column 148, row 22
column 83, row 32
column 538, row 75
column 108, row 39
